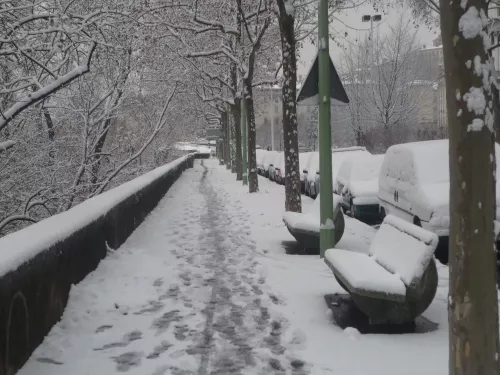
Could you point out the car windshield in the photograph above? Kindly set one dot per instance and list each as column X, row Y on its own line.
column 366, row 169
column 432, row 163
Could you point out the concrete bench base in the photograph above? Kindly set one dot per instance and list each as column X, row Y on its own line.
column 384, row 311
column 347, row 314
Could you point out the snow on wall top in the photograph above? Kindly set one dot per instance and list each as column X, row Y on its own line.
column 20, row 247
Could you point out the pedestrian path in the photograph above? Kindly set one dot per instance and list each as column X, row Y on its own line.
column 185, row 294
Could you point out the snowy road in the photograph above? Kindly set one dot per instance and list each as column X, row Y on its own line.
column 207, row 285
column 184, row 295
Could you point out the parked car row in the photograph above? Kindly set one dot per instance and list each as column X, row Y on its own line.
column 410, row 181
column 359, row 188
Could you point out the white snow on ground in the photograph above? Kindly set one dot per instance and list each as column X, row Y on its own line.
column 300, row 282
column 205, row 286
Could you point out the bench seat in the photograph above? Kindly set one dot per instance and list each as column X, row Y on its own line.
column 362, row 275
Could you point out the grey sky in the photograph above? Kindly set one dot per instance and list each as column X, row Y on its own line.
column 349, row 20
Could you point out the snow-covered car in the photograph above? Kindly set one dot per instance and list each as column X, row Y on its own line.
column 261, row 155
column 414, row 184
column 310, row 171
column 279, row 169
column 339, row 155
column 304, row 158
column 273, row 160
column 266, row 162
column 357, row 183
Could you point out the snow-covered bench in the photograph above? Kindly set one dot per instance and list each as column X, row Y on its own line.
column 305, row 226
column 397, row 280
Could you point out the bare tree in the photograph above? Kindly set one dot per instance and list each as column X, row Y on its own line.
column 312, row 129
column 397, row 95
column 357, row 74
column 47, row 46
column 106, row 126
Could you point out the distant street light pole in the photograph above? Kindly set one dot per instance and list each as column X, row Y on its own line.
column 272, row 119
column 327, row 228
column 371, row 18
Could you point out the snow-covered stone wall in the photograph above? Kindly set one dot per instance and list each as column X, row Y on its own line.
column 39, row 264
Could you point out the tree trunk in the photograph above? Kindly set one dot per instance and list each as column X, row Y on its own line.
column 496, row 108
column 50, row 124
column 232, row 143
column 225, row 132
column 220, row 149
column 50, row 133
column 293, row 200
column 253, row 182
column 236, row 111
column 227, row 139
column 473, row 306
column 97, row 150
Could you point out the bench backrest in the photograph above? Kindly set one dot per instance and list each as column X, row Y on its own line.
column 403, row 248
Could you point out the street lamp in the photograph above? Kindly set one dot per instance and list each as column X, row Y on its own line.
column 371, row 18
column 272, row 118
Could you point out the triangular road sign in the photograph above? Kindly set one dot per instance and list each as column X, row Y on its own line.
column 308, row 94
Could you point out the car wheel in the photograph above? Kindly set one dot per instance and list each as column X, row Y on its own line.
column 416, row 221
column 382, row 213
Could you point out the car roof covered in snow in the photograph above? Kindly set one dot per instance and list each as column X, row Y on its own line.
column 340, row 156
column 426, row 161
column 366, row 168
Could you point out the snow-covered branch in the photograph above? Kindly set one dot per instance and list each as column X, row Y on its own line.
column 159, row 126
column 32, row 98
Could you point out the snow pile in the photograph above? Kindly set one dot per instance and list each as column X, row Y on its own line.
column 476, row 101
column 21, row 246
column 4, row 146
column 191, row 147
column 203, row 150
column 470, row 24
column 289, row 8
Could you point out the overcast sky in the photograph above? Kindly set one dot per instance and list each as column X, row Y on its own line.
column 350, row 21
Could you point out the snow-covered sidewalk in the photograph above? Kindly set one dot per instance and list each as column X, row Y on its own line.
column 204, row 286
